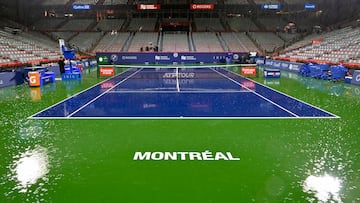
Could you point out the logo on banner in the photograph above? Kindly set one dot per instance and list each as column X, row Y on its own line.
column 201, row 6
column 148, row 6
column 81, row 7
column 188, row 58
column 107, row 72
column 357, row 78
column 248, row 71
column 129, row 57
column 309, row 6
column 236, row 56
column 271, row 6
column 34, row 79
column 114, row 57
column 166, row 58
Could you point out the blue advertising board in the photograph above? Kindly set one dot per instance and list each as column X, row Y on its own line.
column 283, row 65
column 356, row 78
column 309, row 6
column 11, row 78
column 81, row 7
column 271, row 6
column 167, row 58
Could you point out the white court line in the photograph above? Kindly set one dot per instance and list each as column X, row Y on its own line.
column 183, row 117
column 182, row 91
column 257, row 94
column 79, row 109
column 315, row 107
column 177, row 79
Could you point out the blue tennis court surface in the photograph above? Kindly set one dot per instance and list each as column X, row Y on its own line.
column 181, row 93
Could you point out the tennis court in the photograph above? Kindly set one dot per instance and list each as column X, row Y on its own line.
column 292, row 139
column 173, row 92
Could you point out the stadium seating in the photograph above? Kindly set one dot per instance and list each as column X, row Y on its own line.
column 48, row 24
column 268, row 41
column 241, row 24
column 141, row 24
column 112, row 42
column 77, row 25
column 238, row 42
column 54, row 2
column 271, row 23
column 85, row 41
column 114, row 2
column 175, row 42
column 334, row 47
column 143, row 40
column 266, row 1
column 206, row 42
column 208, row 24
column 237, row 2
column 26, row 48
column 109, row 24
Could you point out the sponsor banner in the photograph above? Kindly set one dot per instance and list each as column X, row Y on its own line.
column 276, row 64
column 163, row 58
column 81, row 7
column 11, row 78
column 283, row 65
column 148, row 6
column 356, row 78
column 248, row 71
column 271, row 6
column 272, row 73
column 294, row 67
column 269, row 62
column 260, row 61
column 92, row 63
column 201, row 6
column 310, row 6
column 107, row 72
column 188, row 58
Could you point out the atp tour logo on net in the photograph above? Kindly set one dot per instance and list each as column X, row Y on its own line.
column 184, row 156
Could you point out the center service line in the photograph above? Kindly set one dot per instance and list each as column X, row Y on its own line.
column 177, row 79
column 79, row 109
column 257, row 94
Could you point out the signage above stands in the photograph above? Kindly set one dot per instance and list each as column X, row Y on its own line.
column 271, row 6
column 201, row 6
column 81, row 7
column 310, row 6
column 148, row 6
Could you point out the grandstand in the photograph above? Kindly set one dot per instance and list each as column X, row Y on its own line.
column 232, row 25
column 339, row 46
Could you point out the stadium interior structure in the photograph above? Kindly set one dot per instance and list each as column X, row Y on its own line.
column 29, row 30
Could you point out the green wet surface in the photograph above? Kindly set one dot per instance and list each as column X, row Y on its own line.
column 281, row 160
